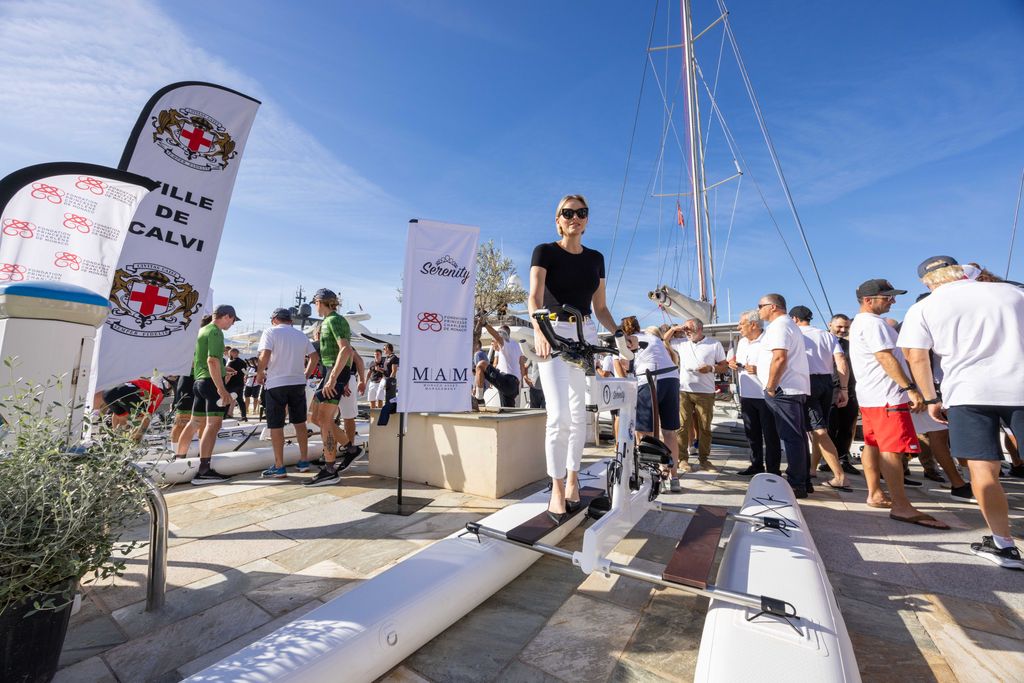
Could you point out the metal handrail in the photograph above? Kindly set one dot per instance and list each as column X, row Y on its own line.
column 156, row 581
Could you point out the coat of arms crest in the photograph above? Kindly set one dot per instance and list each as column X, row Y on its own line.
column 193, row 138
column 151, row 300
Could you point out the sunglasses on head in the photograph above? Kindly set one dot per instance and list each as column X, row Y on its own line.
column 569, row 214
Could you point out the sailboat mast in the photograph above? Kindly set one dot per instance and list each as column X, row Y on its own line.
column 705, row 266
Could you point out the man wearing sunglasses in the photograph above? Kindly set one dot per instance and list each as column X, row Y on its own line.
column 887, row 397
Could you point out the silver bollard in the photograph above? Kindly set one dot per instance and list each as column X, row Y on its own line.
column 156, row 584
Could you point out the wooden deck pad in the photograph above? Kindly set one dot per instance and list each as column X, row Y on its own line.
column 536, row 528
column 695, row 553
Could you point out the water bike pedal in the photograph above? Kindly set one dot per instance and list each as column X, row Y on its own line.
column 654, row 452
column 691, row 562
column 539, row 526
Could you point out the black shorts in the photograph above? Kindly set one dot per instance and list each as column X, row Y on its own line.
column 343, row 378
column 253, row 391
column 206, row 397
column 819, row 403
column 668, row 405
column 292, row 398
column 184, row 396
column 974, row 430
column 123, row 399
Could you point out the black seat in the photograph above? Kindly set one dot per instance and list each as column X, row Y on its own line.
column 654, row 452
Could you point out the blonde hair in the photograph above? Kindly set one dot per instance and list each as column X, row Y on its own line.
column 653, row 329
column 941, row 276
column 561, row 204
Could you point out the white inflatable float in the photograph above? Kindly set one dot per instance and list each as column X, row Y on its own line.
column 738, row 645
column 181, row 470
column 364, row 633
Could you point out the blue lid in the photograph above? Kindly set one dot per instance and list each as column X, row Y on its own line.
column 58, row 291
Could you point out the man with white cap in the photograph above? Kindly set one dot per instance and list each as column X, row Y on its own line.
column 974, row 328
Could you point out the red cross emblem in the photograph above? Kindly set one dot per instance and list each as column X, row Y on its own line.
column 198, row 139
column 148, row 297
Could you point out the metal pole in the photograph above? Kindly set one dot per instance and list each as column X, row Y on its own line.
column 401, row 440
column 156, row 585
column 696, row 151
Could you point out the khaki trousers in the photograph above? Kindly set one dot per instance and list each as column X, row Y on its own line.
column 703, row 405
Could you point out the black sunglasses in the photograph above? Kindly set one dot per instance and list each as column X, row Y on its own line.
column 760, row 306
column 569, row 214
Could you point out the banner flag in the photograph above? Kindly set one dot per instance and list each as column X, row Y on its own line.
column 435, row 374
column 190, row 137
column 67, row 222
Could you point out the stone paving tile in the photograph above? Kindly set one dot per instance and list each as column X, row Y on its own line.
column 477, row 647
column 978, row 616
column 307, row 553
column 365, row 555
column 667, row 639
column 582, row 641
column 621, row 590
column 92, row 670
column 90, row 638
column 402, row 674
column 294, row 590
column 647, row 546
column 191, row 562
column 520, row 672
column 184, row 602
column 167, row 648
column 88, row 611
column 543, row 587
column 976, row 655
column 185, row 493
column 627, row 672
column 233, row 502
column 227, row 649
column 440, row 525
column 338, row 519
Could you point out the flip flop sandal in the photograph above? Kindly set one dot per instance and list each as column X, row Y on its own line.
column 832, row 486
column 887, row 504
column 918, row 519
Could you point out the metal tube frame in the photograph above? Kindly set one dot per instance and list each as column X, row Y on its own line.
column 156, row 581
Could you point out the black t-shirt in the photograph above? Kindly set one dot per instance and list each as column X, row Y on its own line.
column 237, row 379
column 390, row 362
column 376, row 370
column 571, row 278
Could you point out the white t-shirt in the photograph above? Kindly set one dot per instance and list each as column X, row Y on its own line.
column 747, row 352
column 654, row 357
column 608, row 365
column 821, row 346
column 693, row 355
column 782, row 333
column 976, row 330
column 507, row 359
column 870, row 334
column 288, row 350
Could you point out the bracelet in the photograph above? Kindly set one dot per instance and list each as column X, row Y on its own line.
column 933, row 401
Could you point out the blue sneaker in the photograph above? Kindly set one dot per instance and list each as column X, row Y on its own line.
column 302, row 466
column 274, row 473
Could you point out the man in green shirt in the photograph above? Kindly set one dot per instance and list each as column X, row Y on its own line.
column 212, row 400
column 336, row 354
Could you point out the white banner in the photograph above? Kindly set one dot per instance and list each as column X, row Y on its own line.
column 66, row 222
column 435, row 373
column 190, row 137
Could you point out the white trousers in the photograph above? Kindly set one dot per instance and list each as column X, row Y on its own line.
column 565, row 394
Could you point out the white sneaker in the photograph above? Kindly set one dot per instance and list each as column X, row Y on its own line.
column 692, row 450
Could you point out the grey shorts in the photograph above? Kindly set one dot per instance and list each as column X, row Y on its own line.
column 974, row 432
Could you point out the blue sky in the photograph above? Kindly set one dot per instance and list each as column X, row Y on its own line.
column 900, row 127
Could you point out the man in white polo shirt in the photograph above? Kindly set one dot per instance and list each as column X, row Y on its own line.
column 699, row 359
column 887, row 396
column 824, row 354
column 975, row 330
column 782, row 369
column 758, row 423
column 286, row 359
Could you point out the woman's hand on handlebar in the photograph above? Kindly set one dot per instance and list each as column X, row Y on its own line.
column 540, row 345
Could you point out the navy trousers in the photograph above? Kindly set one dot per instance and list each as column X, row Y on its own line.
column 788, row 411
column 759, row 425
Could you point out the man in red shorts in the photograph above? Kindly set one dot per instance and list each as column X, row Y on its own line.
column 887, row 397
column 125, row 401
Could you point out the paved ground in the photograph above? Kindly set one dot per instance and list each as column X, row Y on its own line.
column 249, row 556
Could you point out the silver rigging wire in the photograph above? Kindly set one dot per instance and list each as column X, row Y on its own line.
column 1013, row 232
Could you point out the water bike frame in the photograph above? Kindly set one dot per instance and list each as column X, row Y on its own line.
column 633, row 476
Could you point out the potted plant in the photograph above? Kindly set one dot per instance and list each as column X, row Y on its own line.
column 62, row 511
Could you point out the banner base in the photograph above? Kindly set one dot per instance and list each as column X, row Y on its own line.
column 392, row 506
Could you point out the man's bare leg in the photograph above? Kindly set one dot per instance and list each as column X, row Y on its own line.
column 301, row 438
column 938, row 442
column 209, row 437
column 192, row 427
column 277, row 441
column 823, row 446
column 870, row 461
column 990, row 495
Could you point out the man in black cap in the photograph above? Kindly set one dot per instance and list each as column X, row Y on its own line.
column 974, row 328
column 211, row 396
column 286, row 359
column 887, row 396
column 824, row 355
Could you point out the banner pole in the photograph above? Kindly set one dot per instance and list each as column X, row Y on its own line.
column 401, row 440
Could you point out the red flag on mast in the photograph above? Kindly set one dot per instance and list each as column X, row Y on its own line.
column 679, row 214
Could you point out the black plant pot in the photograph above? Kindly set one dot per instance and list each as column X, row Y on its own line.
column 30, row 646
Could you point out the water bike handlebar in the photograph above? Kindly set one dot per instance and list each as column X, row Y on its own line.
column 578, row 351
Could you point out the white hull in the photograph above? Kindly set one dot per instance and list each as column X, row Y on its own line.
column 364, row 633
column 767, row 562
column 181, row 471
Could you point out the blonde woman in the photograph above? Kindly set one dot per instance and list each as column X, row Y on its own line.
column 566, row 273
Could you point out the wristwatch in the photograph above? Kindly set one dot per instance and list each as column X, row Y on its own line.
column 933, row 401
column 910, row 387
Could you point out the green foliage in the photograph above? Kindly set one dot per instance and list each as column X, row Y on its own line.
column 61, row 513
column 494, row 294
